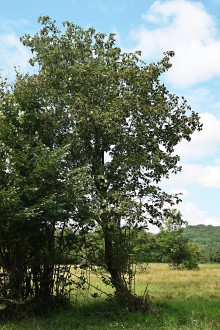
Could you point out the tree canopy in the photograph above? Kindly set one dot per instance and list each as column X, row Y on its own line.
column 86, row 141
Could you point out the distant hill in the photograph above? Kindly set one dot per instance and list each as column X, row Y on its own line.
column 203, row 235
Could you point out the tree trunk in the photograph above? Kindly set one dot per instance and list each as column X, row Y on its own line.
column 123, row 295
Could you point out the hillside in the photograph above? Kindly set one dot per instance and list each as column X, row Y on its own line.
column 203, row 235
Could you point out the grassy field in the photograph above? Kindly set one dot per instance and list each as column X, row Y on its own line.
column 180, row 300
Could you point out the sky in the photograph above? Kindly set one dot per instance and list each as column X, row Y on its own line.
column 189, row 28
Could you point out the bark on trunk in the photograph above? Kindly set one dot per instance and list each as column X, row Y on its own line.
column 123, row 295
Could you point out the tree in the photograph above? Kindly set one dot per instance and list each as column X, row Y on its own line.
column 146, row 247
column 39, row 193
column 178, row 251
column 207, row 237
column 121, row 124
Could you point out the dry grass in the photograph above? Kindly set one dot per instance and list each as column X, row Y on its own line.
column 164, row 283
column 182, row 300
column 182, row 284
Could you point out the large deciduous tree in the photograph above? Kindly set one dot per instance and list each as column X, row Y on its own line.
column 119, row 122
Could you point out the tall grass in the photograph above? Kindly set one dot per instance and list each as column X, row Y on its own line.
column 180, row 300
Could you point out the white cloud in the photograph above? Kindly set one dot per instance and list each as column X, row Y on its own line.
column 203, row 143
column 12, row 53
column 205, row 176
column 199, row 159
column 191, row 174
column 185, row 27
column 210, row 177
column 179, row 190
column 195, row 215
column 203, row 98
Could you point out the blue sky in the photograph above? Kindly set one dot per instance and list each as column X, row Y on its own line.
column 191, row 29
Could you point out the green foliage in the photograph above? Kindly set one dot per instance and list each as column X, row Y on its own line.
column 208, row 238
column 177, row 250
column 146, row 247
column 203, row 235
column 85, row 142
column 174, row 307
column 40, row 191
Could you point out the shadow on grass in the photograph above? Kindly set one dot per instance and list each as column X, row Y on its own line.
column 105, row 315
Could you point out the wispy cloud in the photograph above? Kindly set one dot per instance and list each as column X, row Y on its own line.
column 110, row 8
column 9, row 25
column 12, row 54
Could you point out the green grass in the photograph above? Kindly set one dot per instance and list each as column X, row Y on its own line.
column 180, row 300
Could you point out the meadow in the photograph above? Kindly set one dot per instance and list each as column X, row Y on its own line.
column 181, row 299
